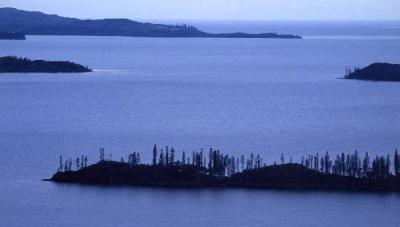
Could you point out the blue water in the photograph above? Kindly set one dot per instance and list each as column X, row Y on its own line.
column 238, row 95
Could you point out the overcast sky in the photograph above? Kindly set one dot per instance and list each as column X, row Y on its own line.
column 217, row 9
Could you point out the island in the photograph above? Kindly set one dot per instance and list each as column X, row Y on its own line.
column 37, row 23
column 223, row 171
column 11, row 64
column 12, row 36
column 375, row 72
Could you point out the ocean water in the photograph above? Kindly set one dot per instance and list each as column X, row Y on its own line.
column 265, row 96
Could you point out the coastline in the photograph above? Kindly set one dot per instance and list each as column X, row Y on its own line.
column 292, row 177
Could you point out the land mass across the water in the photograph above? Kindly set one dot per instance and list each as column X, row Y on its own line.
column 375, row 72
column 11, row 64
column 37, row 23
column 12, row 36
column 287, row 176
column 346, row 173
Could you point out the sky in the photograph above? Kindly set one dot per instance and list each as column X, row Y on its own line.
column 216, row 9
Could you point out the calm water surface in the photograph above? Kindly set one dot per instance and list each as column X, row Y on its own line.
column 238, row 95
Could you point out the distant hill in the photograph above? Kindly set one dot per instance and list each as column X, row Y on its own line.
column 23, row 65
column 37, row 23
column 376, row 72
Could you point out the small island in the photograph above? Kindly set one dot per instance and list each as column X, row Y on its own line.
column 315, row 172
column 12, row 64
column 375, row 72
column 12, row 36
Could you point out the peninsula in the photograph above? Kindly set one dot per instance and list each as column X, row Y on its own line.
column 12, row 64
column 346, row 173
column 37, row 23
column 375, row 72
column 12, row 36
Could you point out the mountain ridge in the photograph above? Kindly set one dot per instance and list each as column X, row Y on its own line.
column 38, row 23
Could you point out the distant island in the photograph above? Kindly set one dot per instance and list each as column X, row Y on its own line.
column 375, row 72
column 12, row 36
column 315, row 172
column 12, row 64
column 37, row 23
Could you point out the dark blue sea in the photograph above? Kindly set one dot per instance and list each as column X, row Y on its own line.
column 266, row 96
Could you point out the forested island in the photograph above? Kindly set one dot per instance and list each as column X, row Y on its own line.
column 37, row 23
column 215, row 169
column 12, row 36
column 11, row 64
column 375, row 72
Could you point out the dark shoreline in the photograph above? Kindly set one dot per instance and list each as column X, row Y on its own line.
column 375, row 72
column 292, row 177
column 276, row 189
column 11, row 64
column 12, row 36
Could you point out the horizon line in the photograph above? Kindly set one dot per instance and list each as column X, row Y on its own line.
column 209, row 20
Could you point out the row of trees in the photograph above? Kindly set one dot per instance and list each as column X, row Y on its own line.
column 219, row 164
column 343, row 164
column 352, row 165
column 216, row 163
column 80, row 162
column 350, row 71
column 133, row 159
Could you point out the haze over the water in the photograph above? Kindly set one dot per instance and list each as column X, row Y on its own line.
column 217, row 9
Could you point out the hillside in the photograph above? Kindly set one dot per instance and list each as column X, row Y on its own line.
column 11, row 64
column 376, row 72
column 37, row 23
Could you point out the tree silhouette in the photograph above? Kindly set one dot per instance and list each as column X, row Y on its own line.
column 161, row 160
column 60, row 168
column 155, row 155
column 396, row 163
column 166, row 156
column 102, row 154
column 172, row 156
column 366, row 165
column 183, row 158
